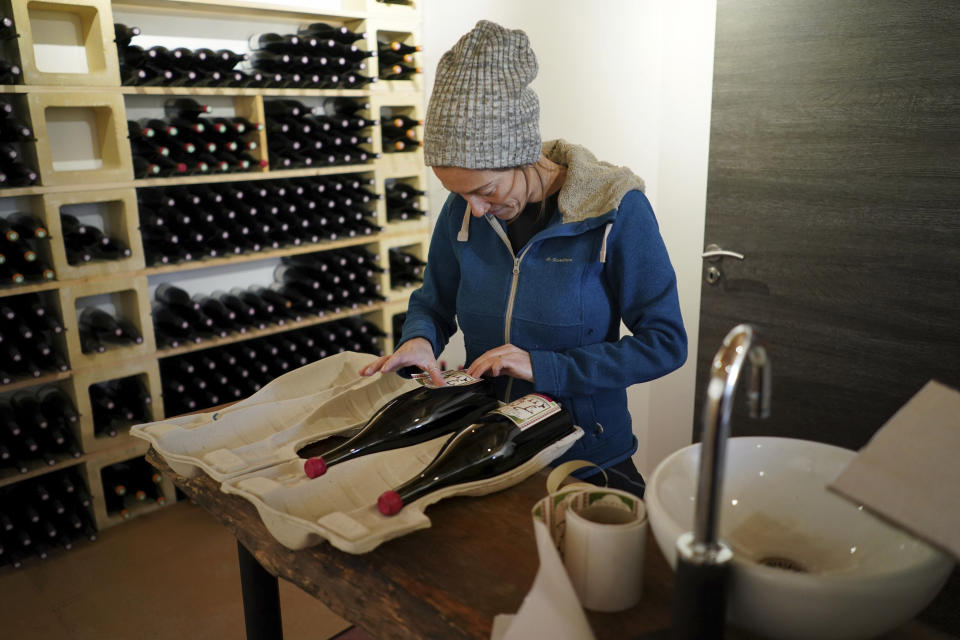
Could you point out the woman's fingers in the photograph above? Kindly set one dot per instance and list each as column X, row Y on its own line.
column 416, row 352
column 504, row 360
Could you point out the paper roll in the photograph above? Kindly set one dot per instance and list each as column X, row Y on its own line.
column 603, row 547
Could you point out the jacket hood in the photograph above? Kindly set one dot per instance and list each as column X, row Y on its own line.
column 592, row 187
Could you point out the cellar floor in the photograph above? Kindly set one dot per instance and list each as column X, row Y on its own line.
column 170, row 574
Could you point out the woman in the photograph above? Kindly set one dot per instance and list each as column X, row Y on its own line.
column 539, row 252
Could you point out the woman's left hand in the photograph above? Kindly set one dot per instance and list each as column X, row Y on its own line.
column 506, row 360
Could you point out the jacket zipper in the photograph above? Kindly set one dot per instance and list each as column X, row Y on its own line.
column 513, row 290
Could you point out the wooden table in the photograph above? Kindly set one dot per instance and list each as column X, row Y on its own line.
column 447, row 582
column 478, row 559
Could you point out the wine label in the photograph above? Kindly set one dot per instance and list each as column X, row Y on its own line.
column 452, row 378
column 529, row 410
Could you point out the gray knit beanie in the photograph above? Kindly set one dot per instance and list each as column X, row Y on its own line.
column 482, row 112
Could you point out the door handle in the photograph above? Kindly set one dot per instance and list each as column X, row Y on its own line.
column 713, row 252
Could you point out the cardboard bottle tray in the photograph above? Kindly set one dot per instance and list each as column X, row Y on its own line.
column 251, row 449
column 303, row 406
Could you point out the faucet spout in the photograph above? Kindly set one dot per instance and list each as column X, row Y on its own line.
column 703, row 562
column 739, row 346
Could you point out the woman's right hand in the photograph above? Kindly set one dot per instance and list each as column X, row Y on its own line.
column 414, row 352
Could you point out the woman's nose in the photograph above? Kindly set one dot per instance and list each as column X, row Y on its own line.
column 477, row 205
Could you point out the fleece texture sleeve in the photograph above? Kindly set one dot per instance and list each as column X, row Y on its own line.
column 431, row 312
column 643, row 285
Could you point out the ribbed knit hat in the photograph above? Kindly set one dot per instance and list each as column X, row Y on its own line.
column 482, row 112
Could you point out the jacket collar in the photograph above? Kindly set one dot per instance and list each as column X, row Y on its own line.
column 592, row 188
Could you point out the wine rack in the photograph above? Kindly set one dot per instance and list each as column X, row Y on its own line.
column 82, row 156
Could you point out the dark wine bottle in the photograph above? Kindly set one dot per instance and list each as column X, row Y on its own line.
column 414, row 417
column 397, row 46
column 497, row 443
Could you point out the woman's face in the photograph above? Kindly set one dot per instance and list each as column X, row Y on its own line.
column 501, row 193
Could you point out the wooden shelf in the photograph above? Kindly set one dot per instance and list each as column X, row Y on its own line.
column 20, row 289
column 38, row 468
column 192, row 91
column 26, row 383
column 313, row 247
column 244, row 8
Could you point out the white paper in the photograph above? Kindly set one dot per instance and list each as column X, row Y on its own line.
column 551, row 608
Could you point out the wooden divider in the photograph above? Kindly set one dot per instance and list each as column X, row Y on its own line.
column 81, row 137
column 121, row 222
column 86, row 25
column 79, row 390
column 132, row 303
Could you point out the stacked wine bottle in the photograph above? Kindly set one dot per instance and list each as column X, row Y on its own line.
column 28, row 347
column 402, row 199
column 305, row 286
column 35, row 429
column 10, row 72
column 303, row 136
column 318, row 56
column 130, row 485
column 15, row 135
column 396, row 60
column 185, row 223
column 117, row 404
column 187, row 142
column 211, row 377
column 99, row 329
column 86, row 242
column 24, row 250
column 406, row 269
column 160, row 66
column 41, row 514
column 399, row 132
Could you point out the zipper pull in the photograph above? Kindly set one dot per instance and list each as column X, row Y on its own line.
column 516, row 266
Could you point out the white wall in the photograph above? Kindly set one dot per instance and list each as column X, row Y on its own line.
column 631, row 80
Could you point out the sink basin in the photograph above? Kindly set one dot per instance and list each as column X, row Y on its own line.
column 807, row 563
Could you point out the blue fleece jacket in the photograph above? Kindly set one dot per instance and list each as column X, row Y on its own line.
column 600, row 260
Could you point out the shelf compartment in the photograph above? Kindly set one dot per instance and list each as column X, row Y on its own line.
column 407, row 37
column 129, row 297
column 93, row 474
column 81, row 138
column 415, row 244
column 118, row 211
column 416, row 177
column 79, row 392
column 66, row 43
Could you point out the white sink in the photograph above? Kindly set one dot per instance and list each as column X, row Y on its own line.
column 807, row 563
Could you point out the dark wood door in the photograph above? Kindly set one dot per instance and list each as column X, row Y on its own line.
column 835, row 169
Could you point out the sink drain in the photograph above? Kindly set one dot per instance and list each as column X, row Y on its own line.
column 779, row 562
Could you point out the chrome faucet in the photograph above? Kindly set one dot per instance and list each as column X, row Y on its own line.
column 699, row 606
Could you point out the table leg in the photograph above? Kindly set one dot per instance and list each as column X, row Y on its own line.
column 261, row 598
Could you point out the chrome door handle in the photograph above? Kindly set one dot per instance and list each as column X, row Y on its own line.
column 714, row 252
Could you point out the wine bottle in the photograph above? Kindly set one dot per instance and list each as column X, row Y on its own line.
column 414, row 417
column 328, row 31
column 390, row 57
column 7, row 231
column 17, row 175
column 399, row 72
column 54, row 402
column 9, row 73
column 497, row 443
column 397, row 46
column 12, row 130
column 124, row 34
